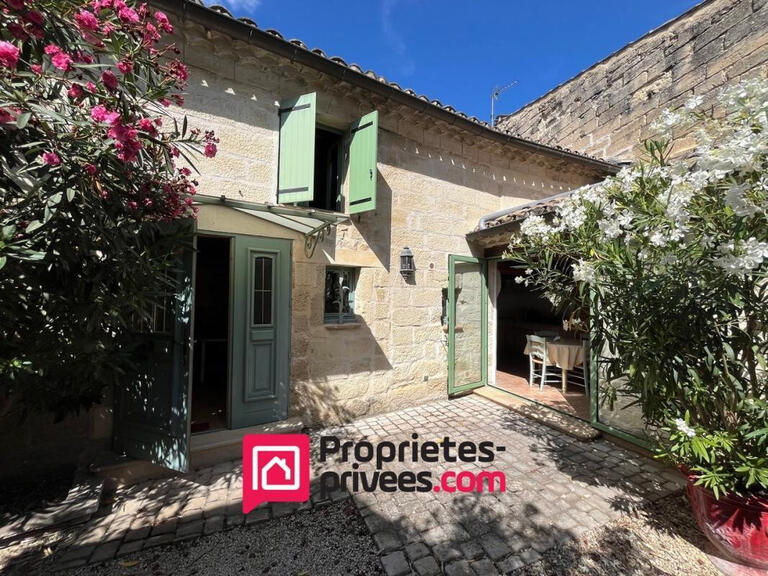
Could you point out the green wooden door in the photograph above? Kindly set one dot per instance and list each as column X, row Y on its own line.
column 152, row 410
column 261, row 330
column 467, row 323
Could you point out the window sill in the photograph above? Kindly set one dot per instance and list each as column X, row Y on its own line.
column 342, row 326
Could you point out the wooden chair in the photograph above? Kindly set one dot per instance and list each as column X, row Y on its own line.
column 537, row 356
column 579, row 375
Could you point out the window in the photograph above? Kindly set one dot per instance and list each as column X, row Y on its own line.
column 262, row 290
column 340, row 295
column 310, row 159
column 327, row 185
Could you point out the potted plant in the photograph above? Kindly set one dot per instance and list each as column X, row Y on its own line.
column 667, row 261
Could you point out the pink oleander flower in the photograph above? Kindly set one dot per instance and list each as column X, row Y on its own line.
column 146, row 125
column 127, row 141
column 52, row 50
column 109, row 80
column 83, row 57
column 75, row 92
column 51, row 158
column 128, row 15
column 151, row 35
column 177, row 71
column 17, row 31
column 36, row 68
column 100, row 114
column 91, row 169
column 87, row 20
column 9, row 55
column 91, row 87
column 62, row 61
column 6, row 116
column 34, row 17
column 210, row 150
column 125, row 66
column 162, row 22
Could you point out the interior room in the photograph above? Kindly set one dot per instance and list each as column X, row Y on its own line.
column 210, row 373
column 523, row 313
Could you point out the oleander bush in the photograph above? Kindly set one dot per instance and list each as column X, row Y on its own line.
column 667, row 261
column 93, row 207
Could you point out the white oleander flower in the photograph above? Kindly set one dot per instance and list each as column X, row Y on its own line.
column 535, row 226
column 584, row 271
column 684, row 428
column 741, row 260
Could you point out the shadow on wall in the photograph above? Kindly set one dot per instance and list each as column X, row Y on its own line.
column 340, row 382
column 376, row 227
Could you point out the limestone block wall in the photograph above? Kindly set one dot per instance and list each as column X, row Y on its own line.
column 608, row 109
column 434, row 182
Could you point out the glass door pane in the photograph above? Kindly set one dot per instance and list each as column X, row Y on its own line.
column 468, row 324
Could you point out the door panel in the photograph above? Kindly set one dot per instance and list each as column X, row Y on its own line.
column 467, row 323
column 261, row 330
column 152, row 411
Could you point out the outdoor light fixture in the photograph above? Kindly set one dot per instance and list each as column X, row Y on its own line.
column 407, row 267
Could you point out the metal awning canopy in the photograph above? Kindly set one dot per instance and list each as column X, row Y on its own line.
column 312, row 223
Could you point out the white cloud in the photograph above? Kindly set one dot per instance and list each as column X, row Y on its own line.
column 393, row 37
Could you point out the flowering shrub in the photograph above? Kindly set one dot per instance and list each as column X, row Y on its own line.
column 671, row 259
column 88, row 188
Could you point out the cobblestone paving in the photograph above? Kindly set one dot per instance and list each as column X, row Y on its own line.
column 557, row 488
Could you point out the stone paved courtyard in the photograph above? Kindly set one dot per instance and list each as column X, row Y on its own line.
column 557, row 488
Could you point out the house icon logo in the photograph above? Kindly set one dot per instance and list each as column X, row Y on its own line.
column 289, row 472
column 275, row 469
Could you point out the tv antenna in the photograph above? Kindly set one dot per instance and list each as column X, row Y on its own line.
column 495, row 93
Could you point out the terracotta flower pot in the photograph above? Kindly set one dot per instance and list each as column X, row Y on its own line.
column 736, row 526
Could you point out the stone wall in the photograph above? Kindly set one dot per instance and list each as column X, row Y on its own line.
column 434, row 182
column 607, row 109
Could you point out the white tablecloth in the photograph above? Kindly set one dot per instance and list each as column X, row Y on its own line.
column 564, row 353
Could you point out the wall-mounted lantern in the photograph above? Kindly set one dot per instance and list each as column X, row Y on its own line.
column 407, row 267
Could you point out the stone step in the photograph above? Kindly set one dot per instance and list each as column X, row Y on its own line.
column 566, row 424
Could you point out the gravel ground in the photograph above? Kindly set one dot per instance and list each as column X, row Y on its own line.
column 332, row 540
column 661, row 540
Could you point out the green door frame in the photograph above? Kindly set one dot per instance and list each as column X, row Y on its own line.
column 453, row 388
column 594, row 412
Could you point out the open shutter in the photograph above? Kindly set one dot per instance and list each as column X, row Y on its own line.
column 296, row 166
column 363, row 154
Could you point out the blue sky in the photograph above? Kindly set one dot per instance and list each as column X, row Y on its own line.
column 457, row 51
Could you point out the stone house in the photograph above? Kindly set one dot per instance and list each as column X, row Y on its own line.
column 608, row 109
column 301, row 303
column 349, row 240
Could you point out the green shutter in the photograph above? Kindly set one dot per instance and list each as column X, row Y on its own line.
column 296, row 166
column 362, row 163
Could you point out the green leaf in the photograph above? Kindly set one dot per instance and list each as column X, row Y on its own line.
column 21, row 121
